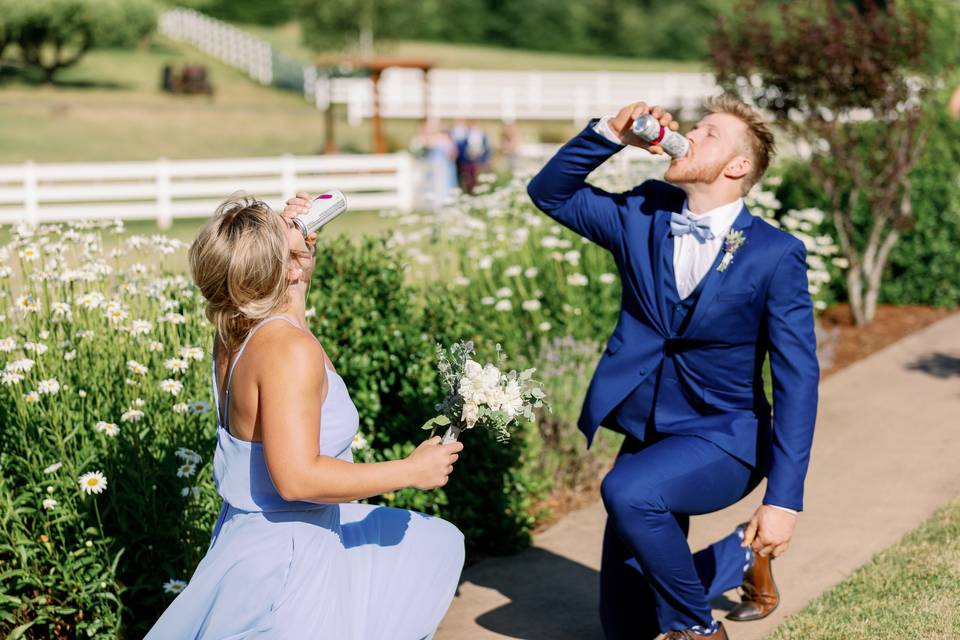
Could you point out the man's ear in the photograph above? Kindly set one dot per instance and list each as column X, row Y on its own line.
column 737, row 168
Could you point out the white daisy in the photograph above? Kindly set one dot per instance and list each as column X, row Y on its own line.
column 154, row 345
column 181, row 407
column 108, row 428
column 38, row 348
column 359, row 442
column 544, row 326
column 93, row 482
column 10, row 378
column 513, row 271
column 199, row 407
column 608, row 278
column 48, row 386
column 140, row 327
column 70, row 355
column 116, row 315
column 188, row 455
column 531, row 305
column 31, row 397
column 22, row 365
column 503, row 305
column 8, row 344
column 577, row 280
column 61, row 309
column 49, row 503
column 171, row 386
column 131, row 415
column 186, row 470
column 174, row 586
column 139, row 402
column 53, row 468
column 136, row 367
column 176, row 364
column 192, row 353
column 91, row 300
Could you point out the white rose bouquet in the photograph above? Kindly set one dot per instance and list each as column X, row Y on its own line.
column 482, row 395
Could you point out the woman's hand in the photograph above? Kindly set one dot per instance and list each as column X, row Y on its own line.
column 296, row 206
column 431, row 463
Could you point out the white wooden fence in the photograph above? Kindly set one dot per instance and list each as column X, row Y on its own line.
column 168, row 189
column 221, row 41
column 516, row 95
column 468, row 93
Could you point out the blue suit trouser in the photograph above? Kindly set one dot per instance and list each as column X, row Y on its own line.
column 650, row 582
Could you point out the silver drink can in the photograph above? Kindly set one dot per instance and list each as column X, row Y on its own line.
column 648, row 128
column 324, row 208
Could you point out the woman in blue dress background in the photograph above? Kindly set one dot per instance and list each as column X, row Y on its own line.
column 291, row 554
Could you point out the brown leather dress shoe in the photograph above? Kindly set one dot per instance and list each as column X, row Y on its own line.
column 689, row 634
column 759, row 595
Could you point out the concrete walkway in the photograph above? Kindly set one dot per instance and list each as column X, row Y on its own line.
column 884, row 457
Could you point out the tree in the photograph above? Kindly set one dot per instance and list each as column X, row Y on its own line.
column 52, row 35
column 336, row 24
column 851, row 82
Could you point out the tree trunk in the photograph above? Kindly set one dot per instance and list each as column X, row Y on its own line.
column 855, row 293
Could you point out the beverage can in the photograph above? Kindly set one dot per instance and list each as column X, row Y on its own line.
column 323, row 208
column 649, row 129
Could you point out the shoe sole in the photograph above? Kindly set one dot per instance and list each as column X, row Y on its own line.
column 761, row 617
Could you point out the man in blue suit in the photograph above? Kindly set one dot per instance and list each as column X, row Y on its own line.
column 708, row 290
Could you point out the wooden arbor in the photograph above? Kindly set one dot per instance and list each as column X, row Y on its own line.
column 374, row 68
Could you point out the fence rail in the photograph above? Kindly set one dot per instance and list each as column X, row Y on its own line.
column 168, row 189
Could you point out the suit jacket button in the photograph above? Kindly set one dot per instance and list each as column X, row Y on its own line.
column 643, row 370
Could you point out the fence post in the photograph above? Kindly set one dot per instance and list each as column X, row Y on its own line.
column 31, row 199
column 164, row 194
column 405, row 186
column 288, row 176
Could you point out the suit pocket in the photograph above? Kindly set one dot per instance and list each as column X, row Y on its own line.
column 735, row 296
column 724, row 398
column 614, row 343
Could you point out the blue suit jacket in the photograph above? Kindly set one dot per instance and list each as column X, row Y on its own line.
column 759, row 304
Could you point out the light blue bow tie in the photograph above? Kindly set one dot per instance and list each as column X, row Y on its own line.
column 681, row 223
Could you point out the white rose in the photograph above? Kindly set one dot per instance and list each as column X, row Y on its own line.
column 471, row 412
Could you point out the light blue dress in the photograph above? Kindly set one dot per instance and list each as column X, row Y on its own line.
column 282, row 569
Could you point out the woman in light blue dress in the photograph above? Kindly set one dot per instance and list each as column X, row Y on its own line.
column 292, row 555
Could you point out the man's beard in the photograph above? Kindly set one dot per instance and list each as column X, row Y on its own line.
column 679, row 173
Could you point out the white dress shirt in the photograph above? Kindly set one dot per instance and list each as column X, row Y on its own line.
column 691, row 258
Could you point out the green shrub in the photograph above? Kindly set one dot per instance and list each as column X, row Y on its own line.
column 382, row 332
column 924, row 266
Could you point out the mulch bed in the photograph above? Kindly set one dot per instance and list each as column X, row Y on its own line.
column 891, row 323
column 852, row 343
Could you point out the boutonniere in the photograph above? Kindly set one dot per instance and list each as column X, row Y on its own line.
column 731, row 243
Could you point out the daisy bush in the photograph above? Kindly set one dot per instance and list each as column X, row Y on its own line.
column 104, row 492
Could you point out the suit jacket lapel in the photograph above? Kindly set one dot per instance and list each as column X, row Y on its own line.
column 714, row 279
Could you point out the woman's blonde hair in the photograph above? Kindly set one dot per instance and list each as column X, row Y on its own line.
column 239, row 261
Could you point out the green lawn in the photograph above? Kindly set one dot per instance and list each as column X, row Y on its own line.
column 911, row 590
column 109, row 107
column 286, row 38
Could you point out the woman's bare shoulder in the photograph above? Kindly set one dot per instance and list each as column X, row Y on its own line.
column 287, row 351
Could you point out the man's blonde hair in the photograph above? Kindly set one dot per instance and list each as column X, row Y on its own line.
column 760, row 143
